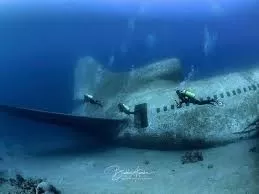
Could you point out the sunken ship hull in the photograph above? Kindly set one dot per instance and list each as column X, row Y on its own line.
column 157, row 123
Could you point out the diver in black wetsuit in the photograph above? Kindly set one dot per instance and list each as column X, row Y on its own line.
column 188, row 97
column 89, row 99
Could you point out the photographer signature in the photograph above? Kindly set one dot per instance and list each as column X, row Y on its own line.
column 127, row 174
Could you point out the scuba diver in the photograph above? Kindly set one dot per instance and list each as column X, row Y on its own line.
column 125, row 109
column 189, row 97
column 89, row 99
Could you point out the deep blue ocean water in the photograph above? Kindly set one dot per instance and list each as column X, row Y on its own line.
column 38, row 52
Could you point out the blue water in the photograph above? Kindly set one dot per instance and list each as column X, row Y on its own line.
column 38, row 53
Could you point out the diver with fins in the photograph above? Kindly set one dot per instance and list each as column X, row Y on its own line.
column 89, row 99
column 186, row 97
column 125, row 109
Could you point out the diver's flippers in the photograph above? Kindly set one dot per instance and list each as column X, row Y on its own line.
column 218, row 103
column 98, row 127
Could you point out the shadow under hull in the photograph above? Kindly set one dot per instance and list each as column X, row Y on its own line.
column 105, row 130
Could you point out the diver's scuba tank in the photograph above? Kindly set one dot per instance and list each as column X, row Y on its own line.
column 189, row 94
column 124, row 108
column 88, row 98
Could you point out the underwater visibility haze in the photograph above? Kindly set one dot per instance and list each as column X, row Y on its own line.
column 129, row 96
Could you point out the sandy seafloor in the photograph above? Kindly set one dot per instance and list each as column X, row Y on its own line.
column 235, row 170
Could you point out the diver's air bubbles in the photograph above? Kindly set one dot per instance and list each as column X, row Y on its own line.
column 209, row 42
column 99, row 76
column 191, row 73
column 151, row 40
column 144, row 6
column 111, row 61
column 132, row 67
column 131, row 24
column 215, row 7
column 189, row 76
column 132, row 70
